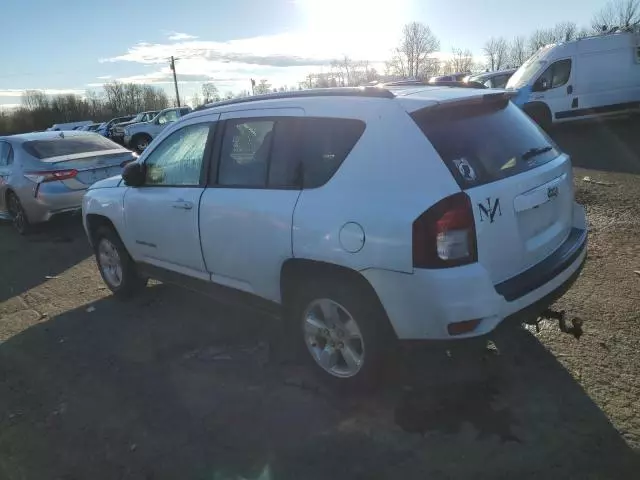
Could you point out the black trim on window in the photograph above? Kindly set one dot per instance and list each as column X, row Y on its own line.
column 545, row 271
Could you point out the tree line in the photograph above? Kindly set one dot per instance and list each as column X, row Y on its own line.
column 39, row 110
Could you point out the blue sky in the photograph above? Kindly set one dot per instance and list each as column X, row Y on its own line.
column 75, row 45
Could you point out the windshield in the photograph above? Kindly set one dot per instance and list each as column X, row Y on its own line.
column 528, row 69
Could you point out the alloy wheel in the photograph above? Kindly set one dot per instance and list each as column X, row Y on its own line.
column 109, row 262
column 333, row 338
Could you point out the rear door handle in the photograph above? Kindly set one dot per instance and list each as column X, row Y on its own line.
column 183, row 205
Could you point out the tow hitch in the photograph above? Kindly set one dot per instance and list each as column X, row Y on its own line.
column 548, row 314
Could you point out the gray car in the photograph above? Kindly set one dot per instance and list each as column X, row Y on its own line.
column 45, row 174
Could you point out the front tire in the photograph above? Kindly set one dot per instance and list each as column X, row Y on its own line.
column 18, row 215
column 343, row 329
column 117, row 268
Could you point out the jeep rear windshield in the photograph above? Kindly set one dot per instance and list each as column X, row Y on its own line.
column 59, row 146
column 486, row 141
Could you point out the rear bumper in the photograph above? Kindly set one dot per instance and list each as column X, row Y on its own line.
column 421, row 305
column 52, row 199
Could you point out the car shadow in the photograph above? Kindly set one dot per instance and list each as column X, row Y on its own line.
column 50, row 250
column 607, row 145
column 172, row 385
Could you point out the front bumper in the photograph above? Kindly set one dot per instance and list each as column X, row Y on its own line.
column 421, row 305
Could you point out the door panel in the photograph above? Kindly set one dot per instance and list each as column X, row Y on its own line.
column 246, row 225
column 561, row 91
column 162, row 216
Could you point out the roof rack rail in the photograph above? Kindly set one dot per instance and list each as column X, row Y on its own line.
column 375, row 92
column 437, row 83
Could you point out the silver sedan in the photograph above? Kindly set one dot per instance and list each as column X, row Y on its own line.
column 45, row 174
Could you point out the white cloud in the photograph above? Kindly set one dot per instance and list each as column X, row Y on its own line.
column 177, row 36
column 105, row 77
column 16, row 92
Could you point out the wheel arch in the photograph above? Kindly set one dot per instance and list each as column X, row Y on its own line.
column 294, row 271
column 94, row 222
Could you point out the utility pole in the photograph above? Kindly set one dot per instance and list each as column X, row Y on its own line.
column 172, row 65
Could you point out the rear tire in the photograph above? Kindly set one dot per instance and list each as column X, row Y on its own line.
column 342, row 331
column 18, row 215
column 140, row 142
column 117, row 268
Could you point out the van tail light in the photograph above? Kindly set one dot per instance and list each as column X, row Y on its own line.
column 42, row 176
column 445, row 235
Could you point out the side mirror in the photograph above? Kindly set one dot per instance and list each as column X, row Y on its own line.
column 134, row 174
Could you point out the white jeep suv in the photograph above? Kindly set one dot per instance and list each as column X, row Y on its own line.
column 362, row 215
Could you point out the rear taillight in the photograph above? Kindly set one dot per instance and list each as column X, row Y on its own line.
column 43, row 176
column 445, row 235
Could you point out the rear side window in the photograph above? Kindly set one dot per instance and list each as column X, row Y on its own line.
column 59, row 146
column 309, row 150
column 485, row 142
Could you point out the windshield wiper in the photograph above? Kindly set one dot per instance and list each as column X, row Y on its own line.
column 533, row 152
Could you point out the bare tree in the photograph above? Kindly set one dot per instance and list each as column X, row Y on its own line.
column 210, row 92
column 518, row 51
column 617, row 13
column 461, row 60
column 564, row 32
column 496, row 52
column 263, row 87
column 413, row 57
column 35, row 100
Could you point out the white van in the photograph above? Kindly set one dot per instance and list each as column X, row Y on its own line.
column 69, row 126
column 586, row 78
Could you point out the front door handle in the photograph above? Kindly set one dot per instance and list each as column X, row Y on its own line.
column 183, row 205
column 570, row 89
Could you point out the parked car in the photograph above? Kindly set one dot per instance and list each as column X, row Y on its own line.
column 45, row 174
column 105, row 129
column 361, row 215
column 138, row 136
column 586, row 78
column 497, row 79
column 454, row 77
column 117, row 131
column 68, row 126
column 89, row 128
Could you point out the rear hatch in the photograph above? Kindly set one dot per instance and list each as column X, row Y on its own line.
column 519, row 183
column 78, row 161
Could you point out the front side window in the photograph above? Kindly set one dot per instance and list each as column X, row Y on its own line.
column 177, row 161
column 245, row 152
column 168, row 117
column 556, row 75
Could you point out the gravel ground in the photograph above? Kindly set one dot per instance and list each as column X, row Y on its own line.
column 174, row 386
